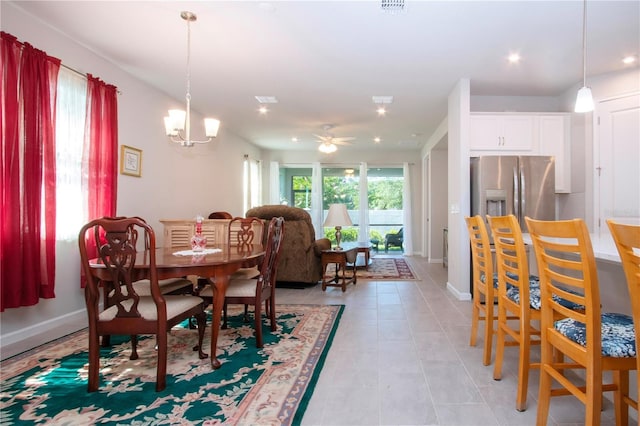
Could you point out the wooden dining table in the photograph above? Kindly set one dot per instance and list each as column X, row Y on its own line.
column 217, row 267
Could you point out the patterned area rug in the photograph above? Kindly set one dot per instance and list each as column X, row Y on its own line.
column 387, row 268
column 383, row 269
column 269, row 386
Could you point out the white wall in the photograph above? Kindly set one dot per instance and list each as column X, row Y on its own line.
column 438, row 195
column 176, row 182
column 515, row 103
column 459, row 190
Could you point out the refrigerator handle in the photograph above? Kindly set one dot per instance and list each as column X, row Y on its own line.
column 516, row 194
column 523, row 191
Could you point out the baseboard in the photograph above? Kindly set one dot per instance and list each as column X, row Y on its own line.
column 458, row 295
column 39, row 334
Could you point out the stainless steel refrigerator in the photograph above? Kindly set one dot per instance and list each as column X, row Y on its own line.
column 518, row 185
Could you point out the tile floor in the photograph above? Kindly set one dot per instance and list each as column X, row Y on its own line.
column 401, row 356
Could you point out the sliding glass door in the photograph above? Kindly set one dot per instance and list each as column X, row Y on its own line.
column 341, row 185
column 385, row 189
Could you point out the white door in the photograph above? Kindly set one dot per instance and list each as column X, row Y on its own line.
column 618, row 183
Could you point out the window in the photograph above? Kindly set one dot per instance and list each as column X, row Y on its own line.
column 251, row 183
column 301, row 191
column 60, row 170
column 70, row 122
column 341, row 185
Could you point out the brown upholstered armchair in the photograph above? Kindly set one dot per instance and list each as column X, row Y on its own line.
column 299, row 260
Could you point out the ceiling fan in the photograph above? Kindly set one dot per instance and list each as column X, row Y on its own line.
column 328, row 142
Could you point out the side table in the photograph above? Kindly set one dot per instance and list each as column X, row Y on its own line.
column 344, row 261
column 362, row 247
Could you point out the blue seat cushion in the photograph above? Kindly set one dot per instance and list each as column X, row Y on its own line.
column 618, row 334
column 513, row 293
column 495, row 279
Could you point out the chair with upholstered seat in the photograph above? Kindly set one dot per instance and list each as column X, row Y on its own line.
column 594, row 341
column 393, row 239
column 484, row 285
column 243, row 233
column 627, row 239
column 129, row 313
column 518, row 298
column 512, row 264
column 258, row 290
column 168, row 287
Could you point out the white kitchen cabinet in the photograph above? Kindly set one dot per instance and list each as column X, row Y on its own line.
column 525, row 134
column 504, row 133
column 554, row 139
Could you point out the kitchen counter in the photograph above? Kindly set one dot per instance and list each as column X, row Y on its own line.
column 603, row 246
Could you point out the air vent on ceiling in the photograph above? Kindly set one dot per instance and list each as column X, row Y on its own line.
column 392, row 5
column 267, row 99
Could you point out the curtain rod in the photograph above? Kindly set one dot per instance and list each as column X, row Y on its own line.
column 21, row 44
column 83, row 74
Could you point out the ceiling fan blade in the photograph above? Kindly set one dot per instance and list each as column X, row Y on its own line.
column 323, row 138
column 338, row 142
column 345, row 139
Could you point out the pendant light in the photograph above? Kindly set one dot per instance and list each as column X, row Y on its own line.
column 584, row 100
column 178, row 123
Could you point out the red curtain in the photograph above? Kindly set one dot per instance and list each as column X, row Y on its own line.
column 27, row 159
column 101, row 149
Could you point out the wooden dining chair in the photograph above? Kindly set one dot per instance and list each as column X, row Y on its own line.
column 116, row 240
column 168, row 286
column 518, row 298
column 243, row 232
column 594, row 341
column 627, row 240
column 484, row 285
column 255, row 291
column 220, row 215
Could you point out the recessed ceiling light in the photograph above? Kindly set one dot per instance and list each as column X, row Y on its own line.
column 294, row 139
column 628, row 60
column 263, row 109
column 381, row 110
column 377, row 139
column 514, row 58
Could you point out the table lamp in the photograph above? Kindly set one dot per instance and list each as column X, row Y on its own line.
column 337, row 217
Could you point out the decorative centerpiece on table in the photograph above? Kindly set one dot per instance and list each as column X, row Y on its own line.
column 198, row 241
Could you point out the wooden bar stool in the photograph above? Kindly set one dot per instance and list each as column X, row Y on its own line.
column 484, row 285
column 627, row 239
column 593, row 340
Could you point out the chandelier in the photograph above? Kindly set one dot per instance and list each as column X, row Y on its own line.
column 178, row 123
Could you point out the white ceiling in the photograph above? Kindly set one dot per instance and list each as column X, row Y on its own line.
column 324, row 60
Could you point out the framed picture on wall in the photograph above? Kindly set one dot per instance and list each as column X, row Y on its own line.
column 130, row 161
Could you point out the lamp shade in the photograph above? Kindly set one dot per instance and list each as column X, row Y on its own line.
column 211, row 126
column 337, row 216
column 584, row 100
